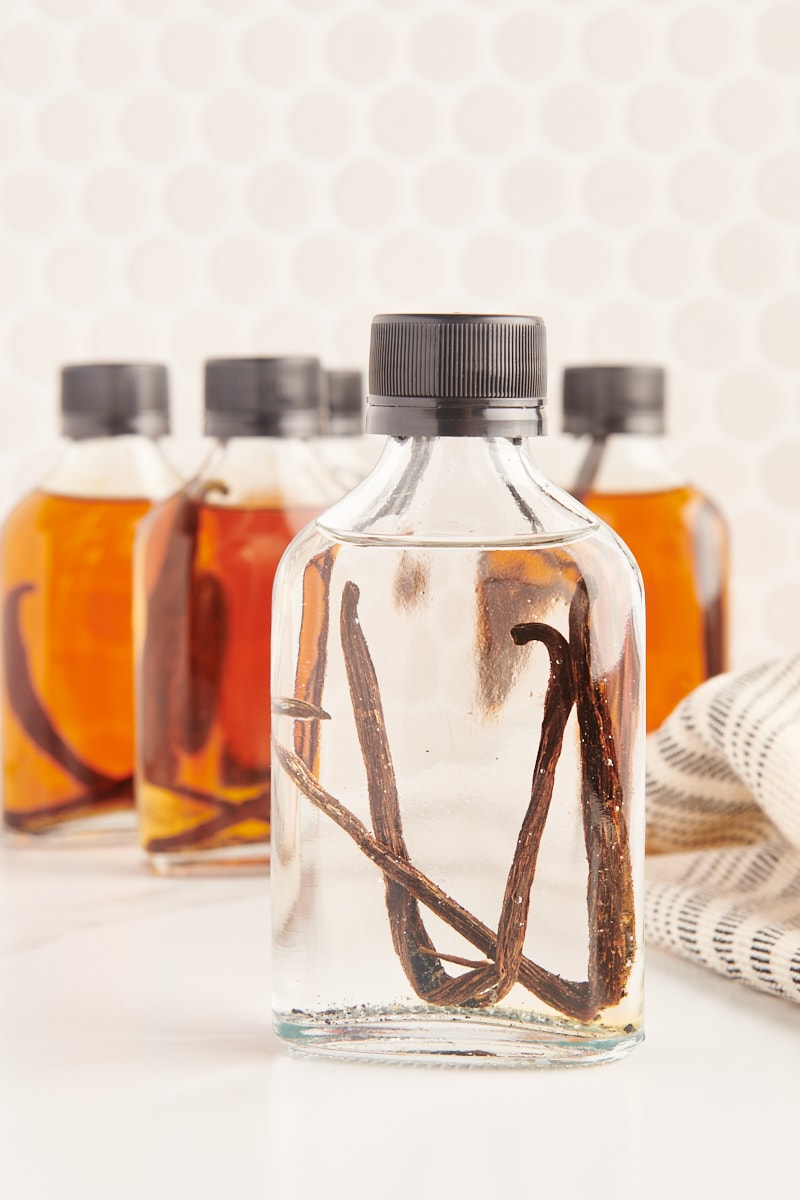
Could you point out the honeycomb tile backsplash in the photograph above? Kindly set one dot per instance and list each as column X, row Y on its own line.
column 181, row 178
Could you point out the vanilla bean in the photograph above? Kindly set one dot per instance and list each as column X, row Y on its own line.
column 116, row 796
column 256, row 809
column 610, row 896
column 564, row 995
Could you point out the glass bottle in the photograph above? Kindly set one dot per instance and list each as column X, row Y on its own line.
column 349, row 453
column 68, row 742
column 622, row 471
column 204, row 566
column 457, row 752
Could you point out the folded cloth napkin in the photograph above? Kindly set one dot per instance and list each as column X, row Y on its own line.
column 723, row 828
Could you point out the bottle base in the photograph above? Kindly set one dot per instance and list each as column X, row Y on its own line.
column 419, row 1036
column 247, row 858
column 115, row 827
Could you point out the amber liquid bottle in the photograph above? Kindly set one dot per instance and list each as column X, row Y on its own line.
column 204, row 565
column 67, row 630
column 678, row 537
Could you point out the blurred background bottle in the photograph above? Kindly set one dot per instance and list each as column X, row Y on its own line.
column 68, row 742
column 618, row 464
column 204, row 567
column 347, row 449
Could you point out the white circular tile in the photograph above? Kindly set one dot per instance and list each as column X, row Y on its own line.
column 109, row 56
column 366, row 194
column 66, row 10
column 198, row 198
column 126, row 334
column 709, row 333
column 576, row 116
column 706, row 187
column 703, row 40
column 618, row 43
column 191, row 54
column 579, row 262
column 624, row 331
column 758, row 541
column 230, row 8
column 282, row 196
column 722, row 471
column 780, row 477
column 243, row 270
column 665, row 261
column 153, row 127
column 664, row 116
column 536, row 191
column 778, row 186
column 238, row 126
column 751, row 404
column 116, row 201
column 10, row 132
column 750, row 113
column 15, row 275
column 619, row 191
column 29, row 60
column 289, row 329
column 275, row 51
column 145, row 8
column 490, row 120
column 326, row 268
column 361, row 49
column 39, row 341
column 79, row 274
column 410, row 267
column 72, row 129
column 779, row 613
column 162, row 272
column 451, row 192
column 751, row 258
column 494, row 268
column 405, row 121
column 208, row 332
column 34, row 202
column 530, row 44
column 779, row 332
column 778, row 37
column 352, row 333
column 321, row 123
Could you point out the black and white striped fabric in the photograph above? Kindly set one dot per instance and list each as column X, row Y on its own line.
column 723, row 828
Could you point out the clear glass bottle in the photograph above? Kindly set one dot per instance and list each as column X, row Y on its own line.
column 457, row 754
column 67, row 547
column 348, row 451
column 204, row 565
column 620, row 468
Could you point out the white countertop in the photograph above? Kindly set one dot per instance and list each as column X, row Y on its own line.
column 137, row 1060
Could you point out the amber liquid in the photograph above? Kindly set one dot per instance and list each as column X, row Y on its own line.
column 203, row 681
column 68, row 744
column 679, row 541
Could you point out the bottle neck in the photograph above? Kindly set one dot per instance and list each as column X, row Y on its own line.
column 618, row 463
column 268, row 472
column 127, row 466
column 456, row 491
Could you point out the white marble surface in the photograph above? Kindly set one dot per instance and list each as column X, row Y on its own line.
column 137, row 1060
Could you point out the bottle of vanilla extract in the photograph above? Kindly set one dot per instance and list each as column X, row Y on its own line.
column 622, row 471
column 204, row 566
column 67, row 549
column 457, row 700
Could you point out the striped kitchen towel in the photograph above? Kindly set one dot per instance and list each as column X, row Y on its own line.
column 723, row 828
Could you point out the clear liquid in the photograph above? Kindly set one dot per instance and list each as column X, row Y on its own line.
column 462, row 705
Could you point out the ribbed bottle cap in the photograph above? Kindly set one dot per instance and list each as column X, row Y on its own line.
column 456, row 375
column 111, row 399
column 345, row 396
column 263, row 397
column 616, row 399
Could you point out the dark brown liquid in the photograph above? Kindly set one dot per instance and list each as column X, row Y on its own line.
column 204, row 674
column 68, row 743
